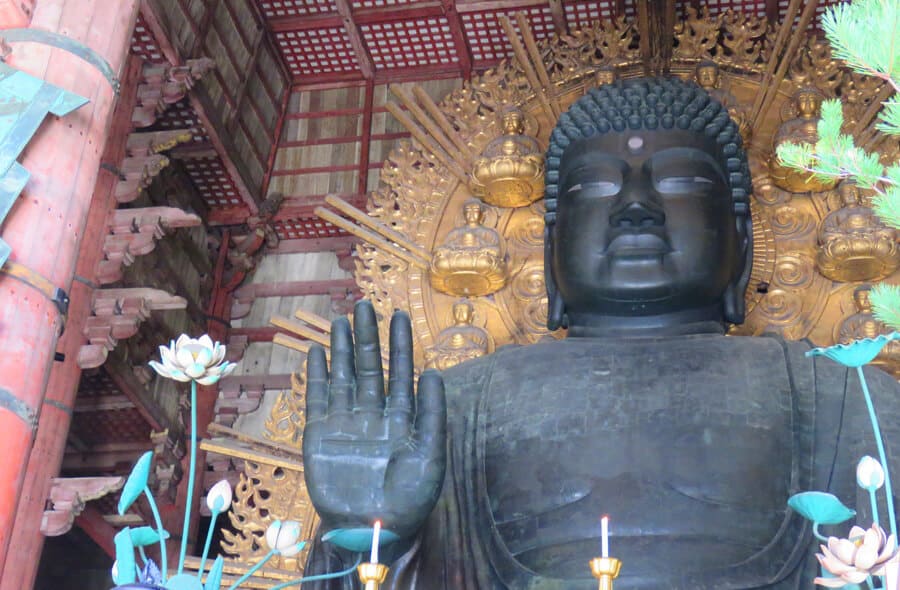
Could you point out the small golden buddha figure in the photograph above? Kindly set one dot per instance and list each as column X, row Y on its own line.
column 854, row 245
column 801, row 129
column 510, row 171
column 863, row 324
column 471, row 261
column 605, row 75
column 708, row 77
column 460, row 342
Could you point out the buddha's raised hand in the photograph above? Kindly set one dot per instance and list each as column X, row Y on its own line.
column 368, row 456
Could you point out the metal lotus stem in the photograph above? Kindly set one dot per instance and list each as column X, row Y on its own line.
column 372, row 575
column 605, row 569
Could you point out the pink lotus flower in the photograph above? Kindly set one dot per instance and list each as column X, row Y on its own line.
column 862, row 554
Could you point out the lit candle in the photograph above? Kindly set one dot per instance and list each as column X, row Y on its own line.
column 604, row 536
column 376, row 532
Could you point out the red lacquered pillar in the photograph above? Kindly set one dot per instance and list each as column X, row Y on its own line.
column 46, row 225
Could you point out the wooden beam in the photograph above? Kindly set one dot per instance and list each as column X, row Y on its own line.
column 460, row 41
column 314, row 245
column 339, row 139
column 558, row 13
column 496, row 5
column 283, row 24
column 255, row 381
column 91, row 521
column 203, row 27
column 362, row 181
column 134, row 390
column 279, row 132
column 356, row 39
column 772, row 11
column 293, row 289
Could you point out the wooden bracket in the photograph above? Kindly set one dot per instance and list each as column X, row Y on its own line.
column 68, row 497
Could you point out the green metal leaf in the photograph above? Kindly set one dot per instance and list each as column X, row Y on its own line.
column 136, row 482
column 214, row 578
column 125, row 568
column 145, row 535
column 820, row 507
column 184, row 582
column 358, row 540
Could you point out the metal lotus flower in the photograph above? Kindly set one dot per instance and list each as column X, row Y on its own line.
column 219, row 497
column 193, row 359
column 281, row 537
column 869, row 473
column 858, row 352
column 852, row 560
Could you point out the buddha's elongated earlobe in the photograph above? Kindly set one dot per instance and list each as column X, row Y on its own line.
column 733, row 300
column 556, row 307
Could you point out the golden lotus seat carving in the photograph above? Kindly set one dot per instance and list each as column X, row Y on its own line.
column 471, row 261
column 803, row 128
column 510, row 171
column 460, row 342
column 854, row 245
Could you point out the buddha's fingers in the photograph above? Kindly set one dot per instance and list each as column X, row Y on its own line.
column 401, row 403
column 343, row 381
column 431, row 419
column 316, row 384
column 369, row 372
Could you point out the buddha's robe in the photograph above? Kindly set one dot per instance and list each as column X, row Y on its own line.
column 691, row 445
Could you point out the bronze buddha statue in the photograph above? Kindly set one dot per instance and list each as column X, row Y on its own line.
column 691, row 441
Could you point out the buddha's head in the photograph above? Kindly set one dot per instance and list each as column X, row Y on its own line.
column 861, row 298
column 473, row 212
column 707, row 74
column 463, row 312
column 849, row 193
column 513, row 121
column 647, row 209
column 808, row 101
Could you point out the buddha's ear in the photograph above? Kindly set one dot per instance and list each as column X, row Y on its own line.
column 733, row 300
column 556, row 308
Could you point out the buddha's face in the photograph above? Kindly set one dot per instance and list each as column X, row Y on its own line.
column 462, row 313
column 861, row 297
column 645, row 225
column 849, row 194
column 808, row 103
column 472, row 212
column 707, row 76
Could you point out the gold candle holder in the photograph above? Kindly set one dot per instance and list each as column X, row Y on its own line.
column 605, row 569
column 372, row 574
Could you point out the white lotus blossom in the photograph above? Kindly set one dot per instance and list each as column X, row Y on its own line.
column 197, row 359
column 862, row 554
column 869, row 473
column 220, row 491
column 282, row 537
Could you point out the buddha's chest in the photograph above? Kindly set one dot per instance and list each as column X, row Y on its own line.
column 688, row 446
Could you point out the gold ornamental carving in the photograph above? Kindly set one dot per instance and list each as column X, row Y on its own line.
column 863, row 324
column 510, row 171
column 854, row 245
column 453, row 245
column 800, row 129
column 471, row 261
column 460, row 342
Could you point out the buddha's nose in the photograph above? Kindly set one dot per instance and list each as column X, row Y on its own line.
column 637, row 212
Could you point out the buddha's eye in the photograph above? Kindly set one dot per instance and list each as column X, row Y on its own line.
column 600, row 188
column 683, row 184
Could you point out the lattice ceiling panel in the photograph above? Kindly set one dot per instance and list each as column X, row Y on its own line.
column 212, row 181
column 96, row 384
column 181, row 115
column 583, row 14
column 307, row 229
column 402, row 44
column 144, row 44
column 317, row 51
column 379, row 3
column 120, row 425
column 282, row 8
column 755, row 7
column 487, row 39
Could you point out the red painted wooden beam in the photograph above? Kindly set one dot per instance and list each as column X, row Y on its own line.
column 313, row 245
column 363, row 58
column 460, row 41
column 362, row 180
column 291, row 208
column 57, row 224
column 91, row 521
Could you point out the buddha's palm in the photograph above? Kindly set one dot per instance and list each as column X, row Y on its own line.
column 368, row 456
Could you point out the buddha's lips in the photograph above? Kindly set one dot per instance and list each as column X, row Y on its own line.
column 643, row 243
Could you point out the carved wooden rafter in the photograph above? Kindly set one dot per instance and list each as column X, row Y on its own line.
column 117, row 314
column 244, row 251
column 164, row 85
column 68, row 497
column 133, row 232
